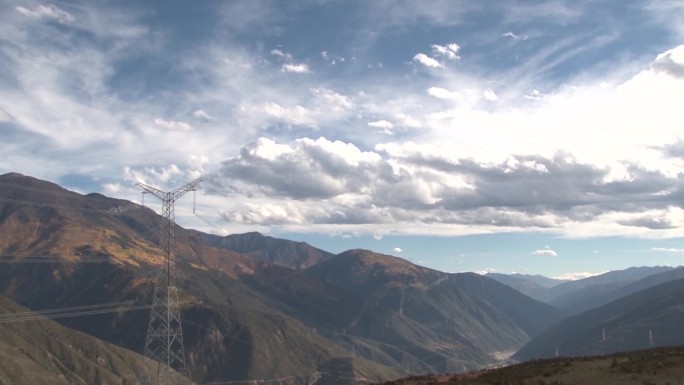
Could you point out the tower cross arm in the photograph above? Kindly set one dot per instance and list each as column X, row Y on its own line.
column 173, row 195
column 191, row 186
column 152, row 190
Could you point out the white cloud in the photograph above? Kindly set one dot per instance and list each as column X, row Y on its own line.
column 450, row 51
column 490, row 96
column 332, row 59
column 152, row 175
column 671, row 62
column 427, row 61
column 202, row 115
column 385, row 125
column 668, row 250
column 172, row 125
column 545, row 251
column 289, row 65
column 397, row 249
column 278, row 52
column 268, row 149
column 295, row 68
column 443, row 93
column 297, row 115
column 47, row 11
column 535, row 94
column 333, row 99
column 514, row 36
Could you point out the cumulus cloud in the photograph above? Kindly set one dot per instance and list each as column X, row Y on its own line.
column 265, row 213
column 47, row 11
column 152, row 175
column 289, row 65
column 202, row 115
column 673, row 150
column 653, row 223
column 449, row 51
column 443, row 93
column 547, row 251
column 307, row 169
column 671, row 62
column 331, row 59
column 490, row 96
column 427, row 61
column 279, row 53
column 397, row 250
column 339, row 183
column 300, row 68
column 332, row 99
column 296, row 115
column 385, row 125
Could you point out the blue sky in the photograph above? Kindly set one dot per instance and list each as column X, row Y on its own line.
column 528, row 136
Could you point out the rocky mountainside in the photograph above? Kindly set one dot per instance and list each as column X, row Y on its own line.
column 357, row 315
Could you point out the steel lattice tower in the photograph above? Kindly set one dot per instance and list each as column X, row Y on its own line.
column 164, row 341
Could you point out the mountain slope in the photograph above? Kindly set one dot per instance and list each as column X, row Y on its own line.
column 43, row 352
column 468, row 310
column 650, row 317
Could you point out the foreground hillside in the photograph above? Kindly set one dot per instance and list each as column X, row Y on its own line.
column 655, row 367
column 41, row 351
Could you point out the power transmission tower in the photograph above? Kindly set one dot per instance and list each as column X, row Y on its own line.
column 164, row 341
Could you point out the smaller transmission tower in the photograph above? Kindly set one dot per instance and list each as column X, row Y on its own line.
column 164, row 341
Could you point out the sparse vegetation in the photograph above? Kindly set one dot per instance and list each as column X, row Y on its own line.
column 650, row 367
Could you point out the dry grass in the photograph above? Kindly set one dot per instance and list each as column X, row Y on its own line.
column 663, row 366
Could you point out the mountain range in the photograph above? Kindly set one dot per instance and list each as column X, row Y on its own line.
column 254, row 307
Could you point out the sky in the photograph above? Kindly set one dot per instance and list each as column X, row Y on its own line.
column 529, row 136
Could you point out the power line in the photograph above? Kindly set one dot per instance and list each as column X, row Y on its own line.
column 75, row 311
column 65, row 193
column 53, row 205
column 15, row 258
